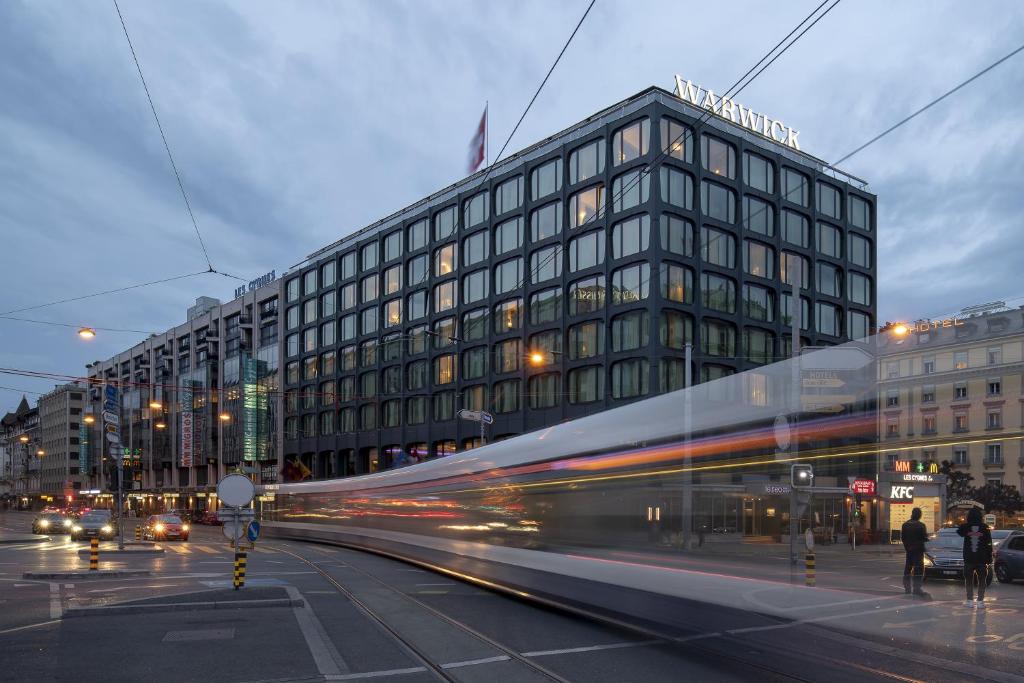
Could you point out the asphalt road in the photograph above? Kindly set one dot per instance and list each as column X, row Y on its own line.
column 367, row 617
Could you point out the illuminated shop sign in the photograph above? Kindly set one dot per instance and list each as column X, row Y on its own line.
column 916, row 466
column 737, row 113
column 863, row 486
column 929, row 325
column 901, row 493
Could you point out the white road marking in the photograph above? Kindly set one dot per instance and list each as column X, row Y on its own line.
column 375, row 674
column 55, row 609
column 435, row 584
column 474, row 662
column 23, row 628
column 328, row 661
column 589, row 648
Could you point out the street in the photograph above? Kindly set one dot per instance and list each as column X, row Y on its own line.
column 315, row 612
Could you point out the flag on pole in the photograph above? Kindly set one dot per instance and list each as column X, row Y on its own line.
column 477, row 146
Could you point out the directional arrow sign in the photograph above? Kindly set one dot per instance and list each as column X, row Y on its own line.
column 822, row 379
column 476, row 416
column 111, row 418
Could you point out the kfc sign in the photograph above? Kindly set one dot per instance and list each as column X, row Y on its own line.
column 900, row 493
column 863, row 486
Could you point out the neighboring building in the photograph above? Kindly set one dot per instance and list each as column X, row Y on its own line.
column 196, row 401
column 569, row 250
column 60, row 421
column 20, row 439
column 951, row 390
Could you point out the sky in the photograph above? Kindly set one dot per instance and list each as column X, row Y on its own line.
column 294, row 124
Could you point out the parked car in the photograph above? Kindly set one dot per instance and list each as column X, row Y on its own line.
column 944, row 556
column 1000, row 535
column 95, row 524
column 210, row 517
column 1009, row 560
column 165, row 528
column 51, row 523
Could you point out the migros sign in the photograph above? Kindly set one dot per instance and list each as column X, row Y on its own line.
column 746, row 118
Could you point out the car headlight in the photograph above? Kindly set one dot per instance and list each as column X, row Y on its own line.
column 159, row 527
column 184, row 527
column 928, row 562
column 44, row 523
column 76, row 528
column 107, row 529
column 67, row 522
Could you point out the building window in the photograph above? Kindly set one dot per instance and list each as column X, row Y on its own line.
column 508, row 236
column 544, row 390
column 795, row 228
column 392, row 279
column 507, row 355
column 348, row 358
column 995, row 387
column 994, row 355
column 416, row 375
column 326, row 334
column 506, row 396
column 327, row 274
column 444, row 333
column 508, row 276
column 444, row 369
column 416, row 305
column 474, row 325
column 393, row 313
column 718, row 156
column 759, row 345
column 546, row 264
column 444, row 260
column 758, row 303
column 717, row 247
column 718, row 201
column 587, row 295
column 368, row 353
column 829, row 319
column 586, row 385
column 586, row 340
column 830, row 279
column 444, row 296
column 417, row 270
column 794, row 270
column 348, row 296
column 546, row 179
column 960, row 391
column 393, row 246
column 928, row 424
column 309, row 282
column 631, row 236
column 443, row 448
column 391, row 413
column 993, row 454
column 586, row 251
column 830, row 240
column 586, row 162
column 416, row 410
column 292, row 317
column 860, row 213
column 676, row 283
column 794, row 186
column 629, row 378
column 292, row 372
column 671, row 374
column 675, row 329
column 417, row 339
column 392, row 345
column 995, row 419
column 718, row 293
column 892, row 398
column 829, row 200
column 368, row 286
column 859, row 324
column 546, row 306
column 417, row 235
column 959, row 360
column 474, row 248
column 860, row 289
column 369, row 325
column 631, row 284
column 327, row 304
column 444, row 223
column 676, row 235
column 631, row 142
column 717, row 339
column 291, row 343
column 309, row 311
column 630, row 331
column 758, row 216
column 758, row 259
column 676, row 140
column 928, row 393
column 860, row 251
column 474, row 398
column 960, row 456
column 474, row 286
column 474, row 210
column 508, row 195
column 348, row 265
column 960, row 423
column 584, row 206
column 327, row 364
column 309, row 339
column 630, row 190
column 508, row 316
column 892, row 427
column 758, row 173
column 474, row 363
column 676, row 187
column 292, row 290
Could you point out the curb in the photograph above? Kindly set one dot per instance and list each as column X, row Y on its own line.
column 106, row 573
column 140, row 551
column 181, row 607
column 34, row 538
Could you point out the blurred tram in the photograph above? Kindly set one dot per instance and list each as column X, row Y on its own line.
column 549, row 513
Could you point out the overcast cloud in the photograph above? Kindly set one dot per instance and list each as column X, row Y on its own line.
column 296, row 123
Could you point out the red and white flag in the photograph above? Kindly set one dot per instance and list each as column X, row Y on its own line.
column 478, row 145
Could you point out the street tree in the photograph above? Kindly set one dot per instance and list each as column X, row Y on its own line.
column 959, row 485
column 998, row 497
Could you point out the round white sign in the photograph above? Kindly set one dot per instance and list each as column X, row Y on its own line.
column 236, row 490
column 233, row 531
column 782, row 435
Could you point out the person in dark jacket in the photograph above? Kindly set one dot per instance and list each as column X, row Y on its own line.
column 914, row 535
column 977, row 555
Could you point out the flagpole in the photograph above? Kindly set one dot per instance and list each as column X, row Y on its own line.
column 487, row 133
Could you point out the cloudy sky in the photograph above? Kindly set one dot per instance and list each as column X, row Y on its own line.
column 295, row 123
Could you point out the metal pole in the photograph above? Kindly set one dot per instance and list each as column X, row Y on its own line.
column 687, row 472
column 796, row 306
column 481, row 431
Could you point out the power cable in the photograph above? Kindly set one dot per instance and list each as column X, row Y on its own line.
column 105, row 292
column 929, row 105
column 539, row 88
column 58, row 324
column 163, row 137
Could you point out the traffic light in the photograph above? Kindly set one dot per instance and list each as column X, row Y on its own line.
column 801, row 475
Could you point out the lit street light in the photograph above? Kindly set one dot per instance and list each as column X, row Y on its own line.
column 88, row 419
column 86, row 332
column 900, row 330
column 161, row 425
column 23, row 438
column 156, row 405
column 224, row 417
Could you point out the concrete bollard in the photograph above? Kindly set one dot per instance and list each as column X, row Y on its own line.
column 810, row 569
column 94, row 554
column 239, row 578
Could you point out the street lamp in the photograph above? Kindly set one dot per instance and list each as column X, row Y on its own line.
column 23, row 438
column 536, row 358
column 224, row 417
column 86, row 332
column 156, row 405
column 88, row 419
column 40, row 453
column 900, row 330
column 161, row 425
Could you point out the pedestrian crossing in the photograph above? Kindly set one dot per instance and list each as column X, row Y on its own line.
column 210, row 549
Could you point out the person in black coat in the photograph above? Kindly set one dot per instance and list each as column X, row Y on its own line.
column 914, row 535
column 977, row 555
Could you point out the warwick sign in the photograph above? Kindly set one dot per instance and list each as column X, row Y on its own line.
column 745, row 118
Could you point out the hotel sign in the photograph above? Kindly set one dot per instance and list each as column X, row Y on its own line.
column 928, row 325
column 748, row 119
column 261, row 281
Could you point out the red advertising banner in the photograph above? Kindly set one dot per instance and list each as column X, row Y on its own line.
column 863, row 486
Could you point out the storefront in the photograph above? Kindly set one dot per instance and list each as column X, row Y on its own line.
column 901, row 492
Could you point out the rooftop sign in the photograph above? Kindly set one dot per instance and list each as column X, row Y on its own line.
column 737, row 113
column 261, row 281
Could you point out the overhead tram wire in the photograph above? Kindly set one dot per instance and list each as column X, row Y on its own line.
column 59, row 324
column 929, row 105
column 105, row 292
column 648, row 169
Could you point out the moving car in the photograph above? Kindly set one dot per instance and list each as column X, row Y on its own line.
column 944, row 556
column 1009, row 560
column 52, row 523
column 164, row 528
column 94, row 524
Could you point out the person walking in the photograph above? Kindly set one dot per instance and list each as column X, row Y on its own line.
column 914, row 535
column 977, row 556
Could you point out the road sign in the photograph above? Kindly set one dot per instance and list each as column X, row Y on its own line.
column 822, row 379
column 236, row 490
column 234, row 514
column 476, row 416
column 114, row 438
column 253, row 531
column 111, row 418
column 990, row 520
column 233, row 531
column 826, row 403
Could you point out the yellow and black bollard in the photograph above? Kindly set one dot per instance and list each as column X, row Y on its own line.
column 138, row 533
column 239, row 579
column 810, row 568
column 94, row 554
